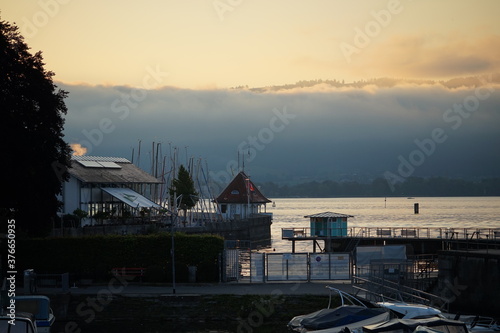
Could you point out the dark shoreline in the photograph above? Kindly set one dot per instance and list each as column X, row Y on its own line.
column 381, row 187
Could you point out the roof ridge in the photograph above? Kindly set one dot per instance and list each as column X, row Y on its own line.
column 329, row 214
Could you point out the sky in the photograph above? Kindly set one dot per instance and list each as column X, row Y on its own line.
column 163, row 71
column 206, row 44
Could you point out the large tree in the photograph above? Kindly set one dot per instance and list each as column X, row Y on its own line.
column 183, row 187
column 34, row 156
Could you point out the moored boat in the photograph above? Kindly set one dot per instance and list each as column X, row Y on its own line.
column 39, row 306
column 411, row 310
column 21, row 322
column 353, row 313
column 479, row 324
column 435, row 324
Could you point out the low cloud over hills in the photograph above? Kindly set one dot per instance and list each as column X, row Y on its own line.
column 316, row 130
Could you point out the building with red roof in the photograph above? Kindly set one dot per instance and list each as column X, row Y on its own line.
column 241, row 199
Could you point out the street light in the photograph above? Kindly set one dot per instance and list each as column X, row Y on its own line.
column 174, row 216
column 172, row 251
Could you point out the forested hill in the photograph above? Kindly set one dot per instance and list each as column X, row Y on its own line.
column 413, row 186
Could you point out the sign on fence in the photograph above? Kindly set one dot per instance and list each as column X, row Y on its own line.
column 330, row 266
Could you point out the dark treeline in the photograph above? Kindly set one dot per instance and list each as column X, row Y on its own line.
column 380, row 187
column 470, row 81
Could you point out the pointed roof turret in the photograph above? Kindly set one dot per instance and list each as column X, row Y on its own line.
column 241, row 190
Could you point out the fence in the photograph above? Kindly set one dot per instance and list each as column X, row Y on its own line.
column 34, row 281
column 400, row 232
column 261, row 267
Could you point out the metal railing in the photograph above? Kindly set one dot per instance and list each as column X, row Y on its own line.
column 395, row 232
column 58, row 281
column 378, row 289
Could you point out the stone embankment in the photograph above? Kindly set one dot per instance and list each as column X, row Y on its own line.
column 181, row 312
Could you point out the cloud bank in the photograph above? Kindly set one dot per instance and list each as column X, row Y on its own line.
column 317, row 131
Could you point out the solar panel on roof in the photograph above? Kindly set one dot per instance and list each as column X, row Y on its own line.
column 100, row 159
column 110, row 165
column 90, row 164
column 98, row 164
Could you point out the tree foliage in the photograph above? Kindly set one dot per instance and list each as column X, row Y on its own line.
column 35, row 156
column 183, row 186
column 95, row 256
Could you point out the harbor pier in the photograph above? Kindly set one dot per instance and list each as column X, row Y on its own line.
column 455, row 268
column 419, row 240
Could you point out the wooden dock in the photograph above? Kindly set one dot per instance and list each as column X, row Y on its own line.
column 422, row 240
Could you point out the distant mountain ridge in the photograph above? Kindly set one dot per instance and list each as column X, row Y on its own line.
column 413, row 186
column 383, row 82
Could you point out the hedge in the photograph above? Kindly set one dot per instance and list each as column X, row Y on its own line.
column 93, row 257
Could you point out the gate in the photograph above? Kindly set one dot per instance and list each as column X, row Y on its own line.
column 257, row 267
column 299, row 266
column 232, row 267
column 287, row 266
column 236, row 260
column 330, row 266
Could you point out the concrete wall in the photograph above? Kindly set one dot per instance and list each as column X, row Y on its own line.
column 470, row 280
column 256, row 229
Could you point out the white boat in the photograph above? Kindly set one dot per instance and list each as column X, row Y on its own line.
column 411, row 310
column 353, row 316
column 39, row 306
column 434, row 324
column 479, row 324
column 19, row 323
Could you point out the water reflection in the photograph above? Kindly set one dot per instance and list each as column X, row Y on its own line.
column 439, row 212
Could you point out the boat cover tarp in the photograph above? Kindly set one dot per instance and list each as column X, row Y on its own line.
column 424, row 329
column 410, row 325
column 130, row 197
column 340, row 316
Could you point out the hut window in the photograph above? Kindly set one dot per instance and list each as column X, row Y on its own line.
column 223, row 208
column 235, row 192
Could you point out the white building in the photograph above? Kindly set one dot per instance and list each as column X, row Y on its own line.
column 108, row 188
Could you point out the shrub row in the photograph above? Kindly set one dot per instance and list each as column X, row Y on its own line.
column 93, row 257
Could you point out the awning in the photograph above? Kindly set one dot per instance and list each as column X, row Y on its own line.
column 130, row 197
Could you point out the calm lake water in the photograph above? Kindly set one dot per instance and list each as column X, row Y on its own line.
column 438, row 212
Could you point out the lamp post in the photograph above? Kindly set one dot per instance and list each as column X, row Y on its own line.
column 172, row 250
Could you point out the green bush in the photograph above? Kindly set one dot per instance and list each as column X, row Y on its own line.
column 95, row 256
